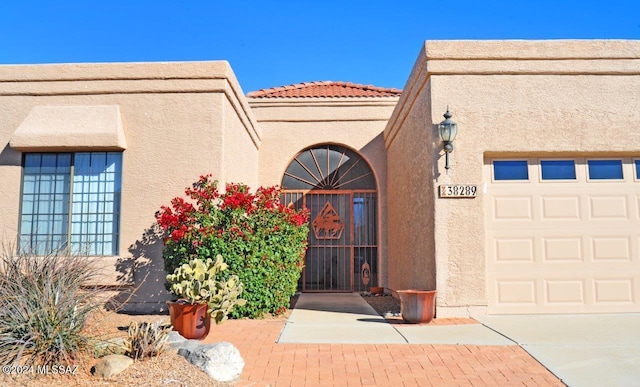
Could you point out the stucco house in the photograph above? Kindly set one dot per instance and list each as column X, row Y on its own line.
column 537, row 212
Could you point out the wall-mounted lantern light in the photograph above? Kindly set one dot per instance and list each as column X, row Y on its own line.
column 447, row 131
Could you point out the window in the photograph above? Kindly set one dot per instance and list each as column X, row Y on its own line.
column 510, row 170
column 558, row 169
column 637, row 169
column 71, row 200
column 605, row 169
column 328, row 167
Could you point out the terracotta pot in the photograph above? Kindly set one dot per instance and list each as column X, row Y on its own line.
column 376, row 290
column 190, row 320
column 417, row 306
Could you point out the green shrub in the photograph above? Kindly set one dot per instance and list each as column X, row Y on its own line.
column 44, row 306
column 263, row 241
column 146, row 339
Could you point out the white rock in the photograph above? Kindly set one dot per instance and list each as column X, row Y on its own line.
column 175, row 341
column 111, row 365
column 221, row 361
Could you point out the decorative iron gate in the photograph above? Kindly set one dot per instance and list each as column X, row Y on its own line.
column 342, row 254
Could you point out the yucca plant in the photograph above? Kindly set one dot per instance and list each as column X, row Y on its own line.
column 146, row 339
column 45, row 302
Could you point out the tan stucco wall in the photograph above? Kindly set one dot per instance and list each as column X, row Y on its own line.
column 240, row 149
column 178, row 120
column 410, row 200
column 56, row 128
column 291, row 125
column 508, row 98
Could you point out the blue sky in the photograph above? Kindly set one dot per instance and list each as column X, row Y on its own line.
column 272, row 43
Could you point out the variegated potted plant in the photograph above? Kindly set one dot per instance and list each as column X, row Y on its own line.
column 202, row 296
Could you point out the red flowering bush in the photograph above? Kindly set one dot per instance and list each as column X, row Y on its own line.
column 261, row 240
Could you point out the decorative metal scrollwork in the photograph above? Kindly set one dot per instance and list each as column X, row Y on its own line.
column 328, row 224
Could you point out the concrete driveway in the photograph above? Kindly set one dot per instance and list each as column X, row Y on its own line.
column 581, row 350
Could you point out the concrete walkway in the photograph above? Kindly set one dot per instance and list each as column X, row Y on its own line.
column 581, row 350
column 345, row 318
column 268, row 363
column 341, row 318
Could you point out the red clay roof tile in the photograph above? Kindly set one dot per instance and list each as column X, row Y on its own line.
column 324, row 89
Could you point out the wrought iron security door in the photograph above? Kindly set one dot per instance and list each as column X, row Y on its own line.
column 338, row 188
column 328, row 261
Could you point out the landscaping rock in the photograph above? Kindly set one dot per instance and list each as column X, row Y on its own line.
column 221, row 361
column 175, row 341
column 111, row 365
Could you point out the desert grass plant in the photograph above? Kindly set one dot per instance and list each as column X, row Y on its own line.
column 45, row 302
column 146, row 339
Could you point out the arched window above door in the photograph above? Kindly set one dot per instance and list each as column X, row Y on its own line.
column 328, row 167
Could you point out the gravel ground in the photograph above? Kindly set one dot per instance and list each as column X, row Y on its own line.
column 383, row 304
column 168, row 369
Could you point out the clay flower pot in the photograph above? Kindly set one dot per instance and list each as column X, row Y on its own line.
column 376, row 290
column 417, row 306
column 190, row 320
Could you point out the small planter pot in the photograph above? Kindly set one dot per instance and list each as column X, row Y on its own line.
column 376, row 290
column 192, row 321
column 417, row 306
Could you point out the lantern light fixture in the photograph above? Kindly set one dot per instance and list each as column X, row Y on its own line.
column 447, row 131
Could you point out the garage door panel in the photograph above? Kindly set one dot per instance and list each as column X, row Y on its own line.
column 611, row 248
column 512, row 208
column 563, row 249
column 517, row 250
column 541, row 292
column 509, row 250
column 527, row 292
column 565, row 246
column 561, row 208
column 608, row 207
column 614, row 290
column 565, row 291
column 515, row 291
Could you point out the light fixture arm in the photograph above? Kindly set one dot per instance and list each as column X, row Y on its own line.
column 448, row 148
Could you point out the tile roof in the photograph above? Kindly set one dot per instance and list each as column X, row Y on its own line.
column 325, row 89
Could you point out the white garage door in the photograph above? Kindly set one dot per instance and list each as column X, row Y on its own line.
column 563, row 235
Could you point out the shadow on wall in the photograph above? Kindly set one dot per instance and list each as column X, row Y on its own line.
column 10, row 157
column 145, row 269
column 438, row 153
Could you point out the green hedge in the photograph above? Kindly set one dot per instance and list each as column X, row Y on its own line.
column 262, row 241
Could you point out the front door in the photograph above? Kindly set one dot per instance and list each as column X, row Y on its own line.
column 329, row 253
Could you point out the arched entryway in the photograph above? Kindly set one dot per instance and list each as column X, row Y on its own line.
column 339, row 188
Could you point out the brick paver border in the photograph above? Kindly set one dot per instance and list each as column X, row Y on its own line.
column 268, row 363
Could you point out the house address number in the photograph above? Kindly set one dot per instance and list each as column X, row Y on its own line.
column 458, row 191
